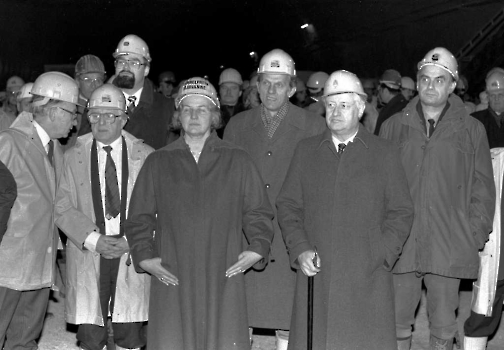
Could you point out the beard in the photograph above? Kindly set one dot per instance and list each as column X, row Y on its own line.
column 124, row 80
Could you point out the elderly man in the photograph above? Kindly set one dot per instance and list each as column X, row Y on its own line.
column 107, row 162
column 230, row 83
column 270, row 133
column 447, row 160
column 335, row 179
column 493, row 117
column 199, row 217
column 32, row 154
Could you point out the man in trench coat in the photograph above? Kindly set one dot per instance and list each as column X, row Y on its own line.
column 345, row 194
column 270, row 133
column 97, row 249
column 32, row 153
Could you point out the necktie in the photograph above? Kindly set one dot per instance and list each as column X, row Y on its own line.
column 112, row 199
column 50, row 151
column 431, row 126
column 341, row 147
column 131, row 103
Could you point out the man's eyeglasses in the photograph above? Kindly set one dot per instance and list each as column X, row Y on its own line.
column 108, row 118
column 73, row 114
column 495, row 97
column 88, row 80
column 134, row 64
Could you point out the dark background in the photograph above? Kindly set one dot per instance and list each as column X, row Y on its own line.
column 196, row 38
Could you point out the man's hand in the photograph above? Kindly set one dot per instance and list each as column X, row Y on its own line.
column 154, row 268
column 305, row 260
column 106, row 246
column 245, row 261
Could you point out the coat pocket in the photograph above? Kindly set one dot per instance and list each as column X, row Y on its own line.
column 376, row 246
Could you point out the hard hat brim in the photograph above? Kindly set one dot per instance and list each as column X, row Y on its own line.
column 195, row 94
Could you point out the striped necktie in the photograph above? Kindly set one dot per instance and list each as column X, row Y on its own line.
column 112, row 198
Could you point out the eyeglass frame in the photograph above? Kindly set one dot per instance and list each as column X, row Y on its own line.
column 108, row 120
column 66, row 110
column 133, row 64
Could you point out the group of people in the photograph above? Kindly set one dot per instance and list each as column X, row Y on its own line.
column 193, row 218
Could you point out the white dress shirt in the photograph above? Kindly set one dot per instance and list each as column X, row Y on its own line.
column 113, row 225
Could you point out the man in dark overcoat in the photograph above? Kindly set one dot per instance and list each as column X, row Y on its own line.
column 270, row 133
column 345, row 197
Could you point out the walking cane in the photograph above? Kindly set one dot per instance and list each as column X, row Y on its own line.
column 310, row 304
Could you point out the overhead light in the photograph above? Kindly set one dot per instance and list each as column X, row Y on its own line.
column 304, row 26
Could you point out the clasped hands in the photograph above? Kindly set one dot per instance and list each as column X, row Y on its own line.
column 154, row 267
column 112, row 247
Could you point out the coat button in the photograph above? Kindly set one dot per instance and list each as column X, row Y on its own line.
column 269, row 153
column 49, row 250
column 267, row 186
column 423, row 147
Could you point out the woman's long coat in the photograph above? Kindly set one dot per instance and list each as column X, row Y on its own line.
column 75, row 216
column 270, row 292
column 199, row 212
column 355, row 207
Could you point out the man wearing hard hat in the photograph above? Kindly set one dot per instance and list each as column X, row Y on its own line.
column 87, row 213
column 149, row 113
column 230, row 83
column 335, row 180
column 270, row 133
column 31, row 151
column 408, row 88
column 493, row 117
column 14, row 84
column 447, row 161
column 315, row 86
column 389, row 94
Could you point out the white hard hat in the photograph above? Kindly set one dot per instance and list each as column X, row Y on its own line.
column 391, row 78
column 277, row 62
column 25, row 91
column 441, row 58
column 107, row 96
column 408, row 83
column 317, row 80
column 493, row 70
column 14, row 83
column 132, row 44
column 230, row 75
column 89, row 64
column 495, row 82
column 199, row 87
column 342, row 82
column 55, row 86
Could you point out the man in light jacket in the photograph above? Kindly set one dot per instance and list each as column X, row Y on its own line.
column 32, row 153
column 98, row 177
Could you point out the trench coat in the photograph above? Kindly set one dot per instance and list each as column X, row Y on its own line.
column 75, row 216
column 451, row 183
column 270, row 292
column 200, row 213
column 29, row 246
column 484, row 288
column 355, row 207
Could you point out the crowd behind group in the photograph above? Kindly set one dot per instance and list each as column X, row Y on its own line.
column 190, row 215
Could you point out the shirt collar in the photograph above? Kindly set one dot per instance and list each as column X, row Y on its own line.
column 44, row 137
column 136, row 94
column 115, row 145
column 350, row 139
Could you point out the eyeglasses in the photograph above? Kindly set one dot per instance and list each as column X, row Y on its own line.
column 73, row 114
column 92, row 80
column 108, row 118
column 130, row 63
